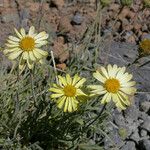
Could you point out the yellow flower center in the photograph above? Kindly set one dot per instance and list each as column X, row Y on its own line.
column 112, row 85
column 145, row 46
column 27, row 44
column 70, row 91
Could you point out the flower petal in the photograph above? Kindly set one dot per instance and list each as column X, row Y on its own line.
column 62, row 81
column 80, row 83
column 25, row 55
column 56, row 95
column 68, row 79
column 18, row 34
column 61, row 102
column 128, row 90
column 56, row 90
column 99, row 77
column 66, row 104
column 37, row 54
column 22, row 31
column 104, row 72
column 31, row 56
column 79, row 93
column 40, row 35
column 13, row 38
column 14, row 55
column 31, row 31
column 75, row 79
column 105, row 98
column 29, row 63
column 44, row 53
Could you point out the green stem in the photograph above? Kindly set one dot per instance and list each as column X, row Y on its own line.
column 32, row 87
column 100, row 113
column 134, row 62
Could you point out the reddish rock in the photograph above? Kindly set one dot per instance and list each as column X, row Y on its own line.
column 58, row 3
column 60, row 49
column 124, row 13
column 64, row 24
column 137, row 26
column 61, row 66
column 114, row 7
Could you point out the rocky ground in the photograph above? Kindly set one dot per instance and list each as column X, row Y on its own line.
column 66, row 21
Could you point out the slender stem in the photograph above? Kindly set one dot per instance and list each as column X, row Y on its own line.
column 100, row 113
column 135, row 61
column 17, row 103
column 54, row 64
column 32, row 87
column 144, row 64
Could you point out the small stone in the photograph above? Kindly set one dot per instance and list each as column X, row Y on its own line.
column 129, row 146
column 144, row 28
column 146, row 124
column 117, row 26
column 143, row 133
column 58, row 3
column 114, row 7
column 145, row 106
column 126, row 25
column 33, row 6
column 77, row 19
column 131, row 15
column 60, row 49
column 137, row 26
column 61, row 66
column 124, row 13
column 145, row 36
column 132, row 113
column 131, row 39
column 64, row 24
column 119, row 119
column 135, row 136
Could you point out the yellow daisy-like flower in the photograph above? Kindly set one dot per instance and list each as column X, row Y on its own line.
column 116, row 85
column 67, row 92
column 27, row 46
column 145, row 47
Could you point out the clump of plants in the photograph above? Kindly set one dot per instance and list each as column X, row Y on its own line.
column 43, row 107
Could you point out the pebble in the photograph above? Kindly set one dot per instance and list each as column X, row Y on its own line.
column 146, row 124
column 143, row 133
column 145, row 36
column 77, row 19
column 145, row 106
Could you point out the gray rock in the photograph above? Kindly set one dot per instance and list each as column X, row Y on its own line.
column 119, row 119
column 147, row 36
column 118, row 53
column 131, row 114
column 145, row 106
column 146, row 124
column 144, row 28
column 143, row 133
column 143, row 116
column 135, row 136
column 77, row 19
column 146, row 144
column 129, row 146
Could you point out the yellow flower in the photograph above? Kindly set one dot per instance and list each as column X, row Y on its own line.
column 67, row 92
column 27, row 46
column 145, row 47
column 116, row 85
